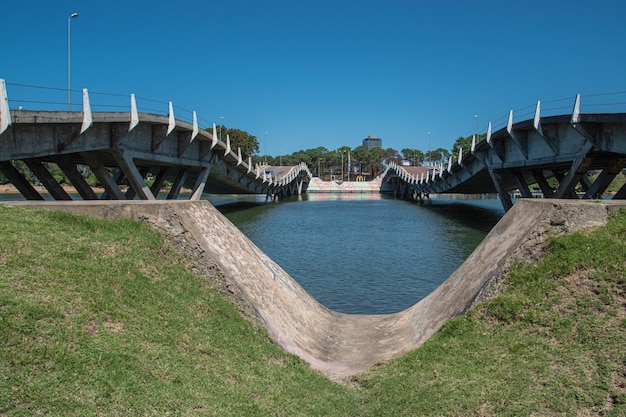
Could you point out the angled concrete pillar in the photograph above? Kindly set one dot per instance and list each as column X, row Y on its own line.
column 76, row 178
column 621, row 194
column 110, row 186
column 567, row 185
column 45, row 177
column 18, row 180
column 130, row 192
column 198, row 187
column 605, row 178
column 522, row 186
column 158, row 182
column 178, row 184
column 504, row 196
column 541, row 180
column 126, row 164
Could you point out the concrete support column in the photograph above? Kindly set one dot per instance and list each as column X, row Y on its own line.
column 158, row 182
column 504, row 196
column 18, row 180
column 126, row 164
column 130, row 193
column 111, row 188
column 41, row 172
column 522, row 186
column 198, row 187
column 76, row 178
column 567, row 185
column 543, row 183
column 178, row 184
column 605, row 178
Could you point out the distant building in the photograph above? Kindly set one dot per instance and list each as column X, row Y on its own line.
column 373, row 142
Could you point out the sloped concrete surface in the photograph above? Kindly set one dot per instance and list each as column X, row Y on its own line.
column 339, row 344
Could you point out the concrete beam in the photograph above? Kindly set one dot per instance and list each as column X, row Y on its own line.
column 177, row 184
column 125, row 161
column 18, row 180
column 198, row 188
column 75, row 177
column 43, row 175
column 102, row 174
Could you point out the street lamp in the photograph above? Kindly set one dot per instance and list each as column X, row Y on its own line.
column 342, row 165
column 221, row 126
column 69, row 19
column 476, row 117
column 265, row 151
column 429, row 147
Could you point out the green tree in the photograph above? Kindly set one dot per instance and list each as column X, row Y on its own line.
column 414, row 155
column 392, row 155
column 359, row 157
column 375, row 158
column 465, row 143
column 443, row 154
column 461, row 143
column 240, row 139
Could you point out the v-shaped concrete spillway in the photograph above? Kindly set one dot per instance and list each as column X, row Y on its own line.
column 334, row 343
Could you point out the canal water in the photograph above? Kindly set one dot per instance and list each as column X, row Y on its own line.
column 365, row 253
column 362, row 253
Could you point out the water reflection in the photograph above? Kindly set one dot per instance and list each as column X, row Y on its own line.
column 362, row 253
column 367, row 253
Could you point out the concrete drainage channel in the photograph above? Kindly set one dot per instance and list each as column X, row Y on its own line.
column 337, row 344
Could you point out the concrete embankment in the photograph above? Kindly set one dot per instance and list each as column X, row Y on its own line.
column 335, row 343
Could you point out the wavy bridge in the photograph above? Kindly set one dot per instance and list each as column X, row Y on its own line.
column 133, row 153
column 126, row 151
column 583, row 152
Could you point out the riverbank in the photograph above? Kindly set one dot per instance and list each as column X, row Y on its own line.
column 338, row 344
column 116, row 324
column 10, row 189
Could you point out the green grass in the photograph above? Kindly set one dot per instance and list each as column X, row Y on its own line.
column 104, row 318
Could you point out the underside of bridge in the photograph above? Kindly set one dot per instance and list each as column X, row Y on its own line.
column 150, row 158
column 566, row 157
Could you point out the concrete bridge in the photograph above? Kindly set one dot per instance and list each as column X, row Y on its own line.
column 139, row 148
column 567, row 147
column 131, row 148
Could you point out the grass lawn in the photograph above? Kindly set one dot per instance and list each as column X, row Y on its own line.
column 105, row 318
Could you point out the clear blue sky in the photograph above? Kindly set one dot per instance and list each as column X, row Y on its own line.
column 325, row 72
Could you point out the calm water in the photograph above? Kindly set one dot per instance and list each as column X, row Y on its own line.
column 366, row 254
column 362, row 253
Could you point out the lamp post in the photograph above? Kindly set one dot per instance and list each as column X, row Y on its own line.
column 69, row 100
column 265, row 151
column 429, row 160
column 221, row 127
column 341, row 165
column 476, row 117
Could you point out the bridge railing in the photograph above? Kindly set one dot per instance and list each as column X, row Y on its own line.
column 33, row 97
column 614, row 102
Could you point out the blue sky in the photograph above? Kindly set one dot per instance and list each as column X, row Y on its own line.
column 327, row 72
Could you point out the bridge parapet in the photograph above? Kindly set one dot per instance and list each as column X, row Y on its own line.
column 579, row 151
column 137, row 149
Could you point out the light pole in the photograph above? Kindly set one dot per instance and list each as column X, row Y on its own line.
column 221, row 126
column 265, row 151
column 476, row 117
column 341, row 165
column 429, row 147
column 69, row 100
